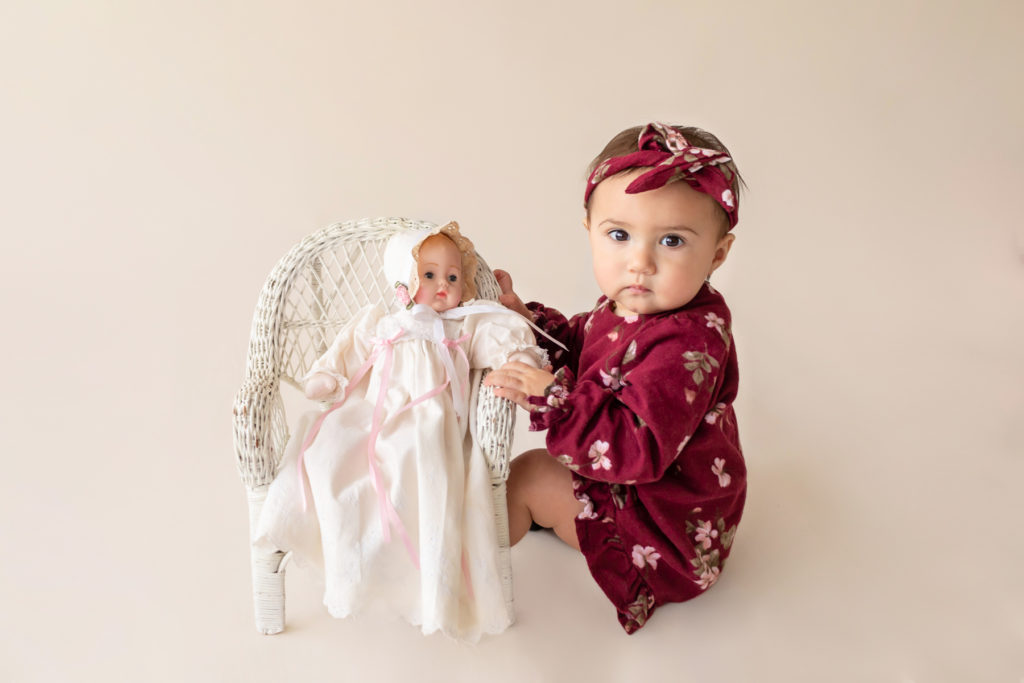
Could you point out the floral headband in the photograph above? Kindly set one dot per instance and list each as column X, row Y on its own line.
column 669, row 156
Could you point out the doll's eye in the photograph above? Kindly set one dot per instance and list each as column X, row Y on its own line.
column 428, row 275
column 618, row 235
column 453, row 278
column 672, row 241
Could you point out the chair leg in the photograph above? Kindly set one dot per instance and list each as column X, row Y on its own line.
column 268, row 591
column 504, row 549
column 267, row 575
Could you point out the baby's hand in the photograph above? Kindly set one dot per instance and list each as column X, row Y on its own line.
column 320, row 385
column 508, row 298
column 517, row 381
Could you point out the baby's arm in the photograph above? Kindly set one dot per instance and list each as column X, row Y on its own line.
column 567, row 332
column 508, row 298
column 628, row 424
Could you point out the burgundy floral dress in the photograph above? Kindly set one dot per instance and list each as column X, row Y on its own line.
column 641, row 413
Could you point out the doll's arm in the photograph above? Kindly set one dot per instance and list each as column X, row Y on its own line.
column 320, row 385
column 531, row 359
column 498, row 338
column 329, row 375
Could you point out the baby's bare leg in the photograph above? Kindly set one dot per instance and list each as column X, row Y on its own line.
column 540, row 490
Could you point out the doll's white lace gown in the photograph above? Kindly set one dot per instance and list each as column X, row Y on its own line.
column 432, row 473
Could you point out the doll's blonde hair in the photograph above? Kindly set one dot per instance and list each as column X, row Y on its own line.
column 465, row 247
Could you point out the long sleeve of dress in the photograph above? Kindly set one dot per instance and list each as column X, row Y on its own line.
column 567, row 331
column 628, row 421
column 350, row 348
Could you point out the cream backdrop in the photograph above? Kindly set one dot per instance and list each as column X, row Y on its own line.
column 158, row 157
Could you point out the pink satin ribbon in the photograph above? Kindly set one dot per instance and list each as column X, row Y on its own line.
column 388, row 513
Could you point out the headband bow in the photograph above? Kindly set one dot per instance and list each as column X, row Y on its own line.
column 669, row 156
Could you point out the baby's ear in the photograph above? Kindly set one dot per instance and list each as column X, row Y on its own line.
column 722, row 250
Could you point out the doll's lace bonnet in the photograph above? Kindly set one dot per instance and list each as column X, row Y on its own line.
column 402, row 253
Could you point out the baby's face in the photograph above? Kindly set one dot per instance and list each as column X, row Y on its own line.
column 440, row 273
column 653, row 250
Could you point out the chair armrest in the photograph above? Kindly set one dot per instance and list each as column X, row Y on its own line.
column 260, row 430
column 495, row 420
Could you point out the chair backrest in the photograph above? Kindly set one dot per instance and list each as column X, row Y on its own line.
column 308, row 296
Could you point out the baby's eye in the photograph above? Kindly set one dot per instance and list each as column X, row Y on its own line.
column 453, row 278
column 672, row 241
column 428, row 275
column 618, row 235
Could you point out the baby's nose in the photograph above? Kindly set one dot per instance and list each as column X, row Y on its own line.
column 640, row 261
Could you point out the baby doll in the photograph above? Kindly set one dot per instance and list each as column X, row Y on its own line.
column 643, row 471
column 394, row 453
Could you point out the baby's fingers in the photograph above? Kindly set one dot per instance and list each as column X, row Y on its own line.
column 504, row 281
column 504, row 377
column 516, row 397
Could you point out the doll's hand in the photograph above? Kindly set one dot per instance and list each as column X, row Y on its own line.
column 518, row 381
column 320, row 385
column 508, row 298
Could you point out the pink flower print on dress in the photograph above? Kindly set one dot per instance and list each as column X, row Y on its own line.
column 645, row 556
column 715, row 322
column 708, row 577
column 612, row 380
column 598, row 459
column 614, row 335
column 706, row 533
column 724, row 478
column 631, row 318
column 712, row 417
column 557, row 395
column 588, row 507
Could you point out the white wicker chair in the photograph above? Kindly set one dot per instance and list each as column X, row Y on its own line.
column 311, row 292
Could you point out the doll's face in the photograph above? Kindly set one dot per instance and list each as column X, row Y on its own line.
column 440, row 273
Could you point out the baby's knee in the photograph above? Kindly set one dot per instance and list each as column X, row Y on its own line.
column 536, row 467
column 530, row 461
column 536, row 475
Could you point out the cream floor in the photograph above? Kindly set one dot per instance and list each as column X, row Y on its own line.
column 111, row 583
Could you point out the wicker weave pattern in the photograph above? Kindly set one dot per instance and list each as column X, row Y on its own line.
column 306, row 299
